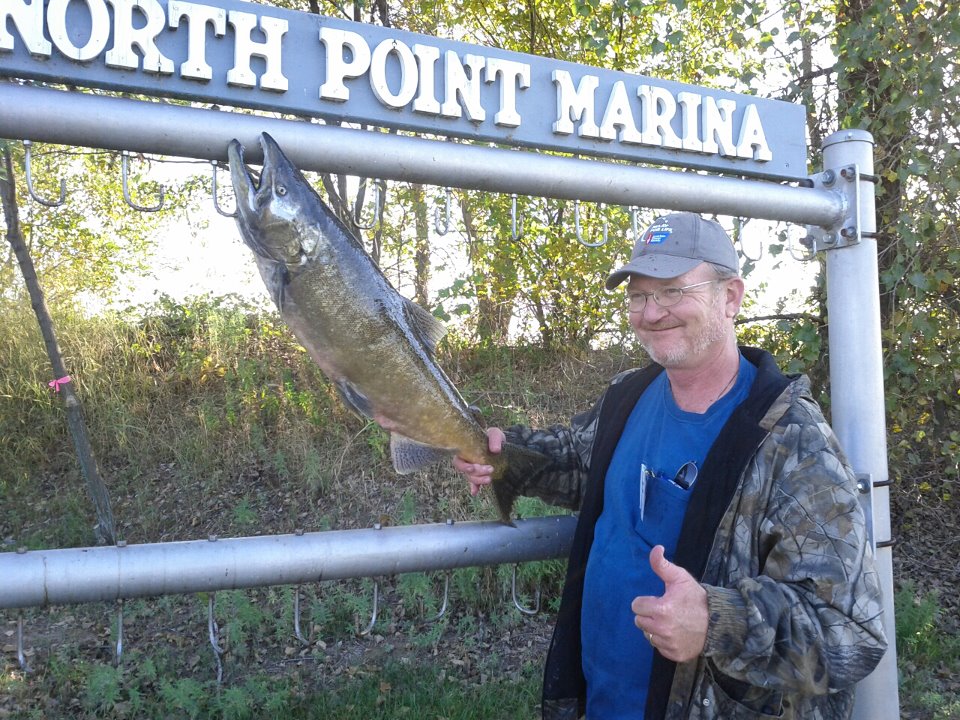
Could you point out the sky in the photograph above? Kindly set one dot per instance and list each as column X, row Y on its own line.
column 190, row 262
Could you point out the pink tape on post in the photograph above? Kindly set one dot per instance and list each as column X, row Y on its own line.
column 55, row 384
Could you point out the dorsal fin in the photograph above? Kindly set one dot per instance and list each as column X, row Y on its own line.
column 428, row 328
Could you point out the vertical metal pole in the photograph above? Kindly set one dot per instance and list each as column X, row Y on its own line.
column 856, row 380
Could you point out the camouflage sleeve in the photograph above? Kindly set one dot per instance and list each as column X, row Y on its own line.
column 802, row 612
column 562, row 482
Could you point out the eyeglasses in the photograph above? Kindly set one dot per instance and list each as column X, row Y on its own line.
column 664, row 297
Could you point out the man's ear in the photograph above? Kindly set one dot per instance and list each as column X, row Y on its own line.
column 734, row 296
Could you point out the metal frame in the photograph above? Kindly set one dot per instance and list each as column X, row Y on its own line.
column 856, row 381
column 38, row 578
column 839, row 208
column 148, row 127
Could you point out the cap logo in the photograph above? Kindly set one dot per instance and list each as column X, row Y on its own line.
column 657, row 233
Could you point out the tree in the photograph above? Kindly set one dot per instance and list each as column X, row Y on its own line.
column 896, row 77
column 105, row 529
column 93, row 243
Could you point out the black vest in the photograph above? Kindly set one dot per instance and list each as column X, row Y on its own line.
column 719, row 479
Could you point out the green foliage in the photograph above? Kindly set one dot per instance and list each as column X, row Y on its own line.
column 399, row 689
column 196, row 387
column 90, row 245
column 103, row 691
column 242, row 622
column 394, row 694
column 925, row 653
column 184, row 696
column 918, row 638
column 897, row 78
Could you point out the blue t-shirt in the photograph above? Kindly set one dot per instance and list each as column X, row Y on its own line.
column 661, row 449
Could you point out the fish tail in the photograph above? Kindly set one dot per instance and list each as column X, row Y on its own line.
column 518, row 468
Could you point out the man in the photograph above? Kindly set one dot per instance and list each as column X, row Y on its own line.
column 720, row 566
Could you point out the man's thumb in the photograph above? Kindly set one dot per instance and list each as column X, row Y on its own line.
column 665, row 570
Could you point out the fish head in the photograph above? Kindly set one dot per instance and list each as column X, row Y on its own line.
column 270, row 209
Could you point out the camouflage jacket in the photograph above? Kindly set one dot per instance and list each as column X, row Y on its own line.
column 775, row 534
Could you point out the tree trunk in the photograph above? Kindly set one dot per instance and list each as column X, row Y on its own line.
column 494, row 301
column 421, row 253
column 104, row 530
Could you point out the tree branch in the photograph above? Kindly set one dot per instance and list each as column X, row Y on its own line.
column 809, row 317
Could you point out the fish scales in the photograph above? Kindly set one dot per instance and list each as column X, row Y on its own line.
column 370, row 345
column 375, row 345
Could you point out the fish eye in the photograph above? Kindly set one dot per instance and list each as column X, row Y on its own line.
column 281, row 190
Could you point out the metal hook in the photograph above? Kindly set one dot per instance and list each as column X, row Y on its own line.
column 446, row 595
column 802, row 257
column 513, row 590
column 216, row 202
column 296, row 617
column 119, row 653
column 376, row 207
column 125, row 168
column 214, row 632
column 576, row 224
column 442, row 229
column 741, row 223
column 633, row 224
column 63, row 183
column 376, row 601
column 513, row 217
column 21, row 656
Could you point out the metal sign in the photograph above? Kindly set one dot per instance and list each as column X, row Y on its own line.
column 255, row 56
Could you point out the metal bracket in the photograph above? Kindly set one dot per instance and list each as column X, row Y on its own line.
column 846, row 231
column 865, row 486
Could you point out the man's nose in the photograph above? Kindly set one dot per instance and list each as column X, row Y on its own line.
column 651, row 311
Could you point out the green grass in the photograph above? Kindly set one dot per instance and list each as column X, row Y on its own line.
column 396, row 690
column 408, row 667
column 928, row 659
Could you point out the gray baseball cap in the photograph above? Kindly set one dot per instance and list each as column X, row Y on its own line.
column 675, row 244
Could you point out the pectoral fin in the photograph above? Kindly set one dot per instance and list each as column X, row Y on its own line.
column 354, row 399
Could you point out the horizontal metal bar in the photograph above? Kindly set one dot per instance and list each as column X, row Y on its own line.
column 85, row 119
column 38, row 578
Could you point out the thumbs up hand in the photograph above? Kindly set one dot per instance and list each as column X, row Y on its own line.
column 676, row 622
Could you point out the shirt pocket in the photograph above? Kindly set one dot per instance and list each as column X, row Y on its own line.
column 664, row 505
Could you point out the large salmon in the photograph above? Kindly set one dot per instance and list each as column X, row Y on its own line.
column 376, row 346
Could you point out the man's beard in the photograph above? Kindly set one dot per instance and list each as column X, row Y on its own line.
column 680, row 354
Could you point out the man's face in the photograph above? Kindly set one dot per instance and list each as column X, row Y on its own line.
column 694, row 330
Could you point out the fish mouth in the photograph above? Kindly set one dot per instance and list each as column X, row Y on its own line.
column 254, row 193
column 246, row 182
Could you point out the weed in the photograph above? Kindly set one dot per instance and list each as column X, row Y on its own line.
column 407, row 512
column 185, row 696
column 244, row 516
column 925, row 654
column 103, row 691
column 243, row 621
column 918, row 639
